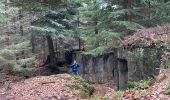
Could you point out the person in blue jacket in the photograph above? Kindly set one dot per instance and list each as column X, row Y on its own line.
column 74, row 68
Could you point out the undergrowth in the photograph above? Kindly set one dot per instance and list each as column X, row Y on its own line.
column 167, row 91
column 82, row 87
column 119, row 95
column 143, row 84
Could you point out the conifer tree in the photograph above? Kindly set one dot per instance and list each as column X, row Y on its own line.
column 12, row 43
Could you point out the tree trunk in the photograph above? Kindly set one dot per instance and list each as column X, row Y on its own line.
column 32, row 43
column 127, row 4
column 6, row 8
column 130, row 7
column 149, row 12
column 44, row 48
column 51, row 51
column 79, row 43
column 21, row 27
column 96, row 31
column 79, row 40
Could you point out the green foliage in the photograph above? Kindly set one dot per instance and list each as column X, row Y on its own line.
column 9, row 53
column 119, row 95
column 3, row 18
column 104, row 38
column 167, row 63
column 97, row 51
column 55, row 22
column 167, row 91
column 128, row 25
column 141, row 84
column 139, row 53
column 22, row 66
column 12, row 50
column 108, row 21
column 42, row 30
column 6, row 13
column 2, row 59
column 24, row 72
column 82, row 87
column 14, row 45
column 27, row 61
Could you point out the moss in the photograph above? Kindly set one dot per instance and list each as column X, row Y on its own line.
column 82, row 87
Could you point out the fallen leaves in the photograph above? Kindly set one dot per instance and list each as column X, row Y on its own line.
column 55, row 87
column 157, row 36
column 154, row 92
column 43, row 88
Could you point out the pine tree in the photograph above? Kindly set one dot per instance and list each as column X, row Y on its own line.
column 12, row 43
column 105, row 22
column 56, row 23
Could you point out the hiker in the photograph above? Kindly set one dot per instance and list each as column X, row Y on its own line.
column 75, row 67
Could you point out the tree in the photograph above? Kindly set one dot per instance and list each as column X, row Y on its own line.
column 55, row 23
column 104, row 23
column 12, row 43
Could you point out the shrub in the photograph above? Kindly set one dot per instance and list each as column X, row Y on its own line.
column 82, row 87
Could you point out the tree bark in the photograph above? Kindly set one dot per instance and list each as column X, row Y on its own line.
column 127, row 4
column 44, row 47
column 79, row 43
column 6, row 8
column 33, row 43
column 130, row 7
column 51, row 51
column 96, row 31
column 79, row 40
column 21, row 27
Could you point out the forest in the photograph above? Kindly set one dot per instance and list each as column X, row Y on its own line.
column 84, row 49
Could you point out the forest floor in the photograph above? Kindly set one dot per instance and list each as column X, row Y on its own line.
column 153, row 92
column 66, row 87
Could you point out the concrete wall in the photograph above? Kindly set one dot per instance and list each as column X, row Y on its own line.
column 96, row 69
column 141, row 64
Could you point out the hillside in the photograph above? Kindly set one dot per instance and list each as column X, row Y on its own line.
column 66, row 87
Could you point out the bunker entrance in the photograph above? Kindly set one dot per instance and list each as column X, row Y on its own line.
column 123, row 74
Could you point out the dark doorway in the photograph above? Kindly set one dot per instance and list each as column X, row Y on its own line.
column 123, row 74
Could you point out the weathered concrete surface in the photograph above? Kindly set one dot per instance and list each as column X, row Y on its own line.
column 96, row 69
column 121, row 65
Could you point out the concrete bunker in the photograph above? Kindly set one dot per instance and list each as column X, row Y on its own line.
column 137, row 57
column 121, row 65
column 123, row 74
